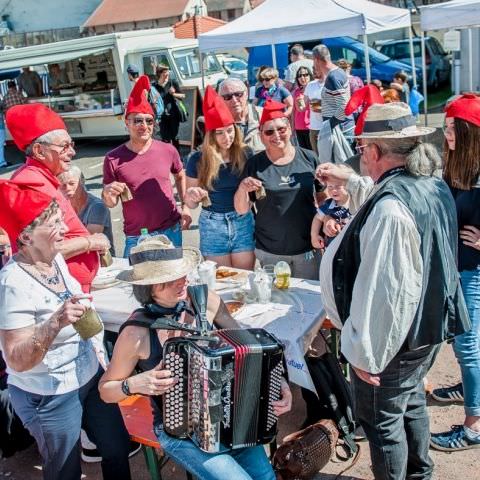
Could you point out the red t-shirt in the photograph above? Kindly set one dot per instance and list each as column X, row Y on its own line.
column 82, row 267
column 148, row 177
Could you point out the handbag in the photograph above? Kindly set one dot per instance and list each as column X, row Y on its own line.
column 303, row 454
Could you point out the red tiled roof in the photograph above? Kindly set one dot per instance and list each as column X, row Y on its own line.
column 194, row 26
column 112, row 12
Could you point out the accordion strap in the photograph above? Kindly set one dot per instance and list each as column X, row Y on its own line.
column 137, row 319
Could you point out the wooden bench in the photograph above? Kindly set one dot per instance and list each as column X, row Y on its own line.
column 137, row 415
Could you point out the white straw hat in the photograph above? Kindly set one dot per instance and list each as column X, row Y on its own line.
column 157, row 260
column 392, row 120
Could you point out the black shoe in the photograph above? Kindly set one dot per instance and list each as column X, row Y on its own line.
column 92, row 455
column 449, row 394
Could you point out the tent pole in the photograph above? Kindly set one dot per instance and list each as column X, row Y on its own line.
column 274, row 56
column 470, row 61
column 367, row 58
column 424, row 70
column 412, row 58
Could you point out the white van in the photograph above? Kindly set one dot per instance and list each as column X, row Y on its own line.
column 95, row 83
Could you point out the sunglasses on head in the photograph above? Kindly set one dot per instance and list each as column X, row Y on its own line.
column 228, row 96
column 140, row 121
column 279, row 130
column 266, row 79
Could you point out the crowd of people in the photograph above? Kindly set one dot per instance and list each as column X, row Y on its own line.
column 392, row 234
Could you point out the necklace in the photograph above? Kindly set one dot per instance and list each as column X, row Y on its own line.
column 51, row 280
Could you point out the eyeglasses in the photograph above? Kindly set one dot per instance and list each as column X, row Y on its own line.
column 361, row 148
column 140, row 121
column 228, row 96
column 303, row 75
column 280, row 131
column 64, row 147
column 267, row 79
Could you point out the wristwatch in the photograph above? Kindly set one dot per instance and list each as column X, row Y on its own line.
column 126, row 388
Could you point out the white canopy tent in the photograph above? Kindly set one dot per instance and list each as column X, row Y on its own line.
column 453, row 14
column 283, row 21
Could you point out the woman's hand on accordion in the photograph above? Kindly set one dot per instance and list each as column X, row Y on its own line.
column 153, row 382
column 283, row 405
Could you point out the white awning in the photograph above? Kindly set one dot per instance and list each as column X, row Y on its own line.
column 283, row 21
column 454, row 14
column 18, row 58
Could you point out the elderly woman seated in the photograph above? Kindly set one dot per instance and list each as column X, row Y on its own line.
column 159, row 279
column 91, row 210
column 52, row 372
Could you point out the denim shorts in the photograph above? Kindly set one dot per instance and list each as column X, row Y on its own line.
column 225, row 233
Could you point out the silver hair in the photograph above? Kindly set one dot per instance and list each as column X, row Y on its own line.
column 232, row 81
column 421, row 159
column 321, row 52
column 48, row 137
column 73, row 171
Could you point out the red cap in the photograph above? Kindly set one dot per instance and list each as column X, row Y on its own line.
column 215, row 111
column 466, row 107
column 137, row 102
column 272, row 110
column 28, row 122
column 364, row 97
column 21, row 205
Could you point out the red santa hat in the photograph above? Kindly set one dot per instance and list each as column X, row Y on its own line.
column 272, row 110
column 466, row 107
column 364, row 97
column 21, row 205
column 137, row 102
column 215, row 111
column 28, row 122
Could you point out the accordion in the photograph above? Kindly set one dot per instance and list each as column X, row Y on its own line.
column 227, row 382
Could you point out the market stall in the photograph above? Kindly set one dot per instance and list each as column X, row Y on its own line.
column 282, row 21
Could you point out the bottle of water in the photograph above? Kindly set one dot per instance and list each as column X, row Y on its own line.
column 143, row 235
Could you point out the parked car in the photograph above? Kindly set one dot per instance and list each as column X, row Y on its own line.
column 235, row 66
column 437, row 60
column 382, row 67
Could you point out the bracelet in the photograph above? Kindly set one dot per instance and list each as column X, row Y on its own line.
column 89, row 244
column 38, row 344
column 126, row 388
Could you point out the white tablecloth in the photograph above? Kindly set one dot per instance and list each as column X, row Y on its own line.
column 294, row 317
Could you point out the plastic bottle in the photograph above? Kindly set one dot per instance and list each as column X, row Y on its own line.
column 282, row 275
column 143, row 235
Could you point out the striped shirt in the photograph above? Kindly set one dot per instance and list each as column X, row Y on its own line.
column 335, row 96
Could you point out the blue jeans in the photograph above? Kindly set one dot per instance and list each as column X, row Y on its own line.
column 467, row 345
column 242, row 464
column 395, row 418
column 225, row 233
column 173, row 233
column 55, row 422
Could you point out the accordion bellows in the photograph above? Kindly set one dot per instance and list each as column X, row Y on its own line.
column 227, row 383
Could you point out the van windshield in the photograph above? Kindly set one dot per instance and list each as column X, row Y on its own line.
column 188, row 63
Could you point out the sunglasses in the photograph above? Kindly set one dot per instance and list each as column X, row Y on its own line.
column 228, row 96
column 280, row 131
column 303, row 75
column 140, row 121
column 267, row 79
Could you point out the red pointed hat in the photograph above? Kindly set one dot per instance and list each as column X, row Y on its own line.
column 364, row 97
column 21, row 205
column 272, row 110
column 137, row 102
column 215, row 110
column 28, row 122
column 466, row 107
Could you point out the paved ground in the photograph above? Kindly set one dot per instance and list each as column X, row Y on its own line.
column 461, row 465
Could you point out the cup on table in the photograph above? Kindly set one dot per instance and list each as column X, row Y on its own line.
column 89, row 324
column 207, row 273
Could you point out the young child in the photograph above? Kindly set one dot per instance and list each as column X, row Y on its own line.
column 335, row 207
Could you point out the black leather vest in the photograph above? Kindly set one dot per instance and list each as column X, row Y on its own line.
column 441, row 313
